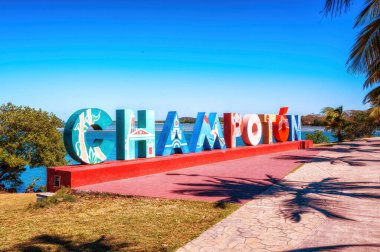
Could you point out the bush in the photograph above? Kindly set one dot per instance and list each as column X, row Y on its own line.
column 28, row 137
column 360, row 124
column 62, row 195
column 317, row 136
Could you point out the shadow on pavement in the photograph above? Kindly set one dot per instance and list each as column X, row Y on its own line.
column 351, row 161
column 236, row 190
column 335, row 247
column 300, row 197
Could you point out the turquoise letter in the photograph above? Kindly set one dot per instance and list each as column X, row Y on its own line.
column 74, row 136
column 127, row 135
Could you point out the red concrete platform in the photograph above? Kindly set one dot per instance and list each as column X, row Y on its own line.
column 231, row 181
column 81, row 175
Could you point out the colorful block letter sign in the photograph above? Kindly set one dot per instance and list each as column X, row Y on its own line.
column 139, row 141
column 128, row 136
column 75, row 141
column 172, row 138
column 207, row 133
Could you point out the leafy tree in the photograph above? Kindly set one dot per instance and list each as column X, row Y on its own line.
column 28, row 137
column 359, row 125
column 335, row 121
column 365, row 54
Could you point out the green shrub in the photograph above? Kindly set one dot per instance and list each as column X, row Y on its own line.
column 317, row 136
column 360, row 125
column 29, row 137
column 62, row 195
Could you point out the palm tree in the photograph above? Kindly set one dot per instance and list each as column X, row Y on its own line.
column 373, row 98
column 365, row 54
column 335, row 121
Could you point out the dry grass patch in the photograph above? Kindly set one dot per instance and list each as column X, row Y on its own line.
column 104, row 222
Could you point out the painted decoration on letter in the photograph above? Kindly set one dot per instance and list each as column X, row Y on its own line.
column 281, row 126
column 252, row 129
column 172, row 138
column 207, row 133
column 267, row 127
column 216, row 130
column 75, row 141
column 128, row 135
column 233, row 127
column 295, row 127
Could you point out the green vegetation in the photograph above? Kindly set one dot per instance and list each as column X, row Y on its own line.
column 104, row 223
column 62, row 195
column 33, row 185
column 335, row 121
column 365, row 54
column 359, row 124
column 349, row 125
column 317, row 136
column 28, row 137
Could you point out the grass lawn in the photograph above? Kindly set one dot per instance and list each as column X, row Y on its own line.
column 104, row 222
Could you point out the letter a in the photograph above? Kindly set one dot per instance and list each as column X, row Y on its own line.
column 172, row 139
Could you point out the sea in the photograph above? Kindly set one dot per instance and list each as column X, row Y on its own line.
column 39, row 174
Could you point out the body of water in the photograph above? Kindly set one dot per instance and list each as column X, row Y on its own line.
column 30, row 174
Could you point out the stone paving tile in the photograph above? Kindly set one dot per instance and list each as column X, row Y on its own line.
column 331, row 203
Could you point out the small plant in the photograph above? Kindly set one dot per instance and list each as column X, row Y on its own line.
column 31, row 186
column 62, row 195
column 317, row 136
column 42, row 188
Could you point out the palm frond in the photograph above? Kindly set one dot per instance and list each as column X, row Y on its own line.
column 374, row 112
column 373, row 97
column 373, row 75
column 366, row 51
column 327, row 110
column 370, row 12
column 336, row 7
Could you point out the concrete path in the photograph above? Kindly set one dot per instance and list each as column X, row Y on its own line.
column 237, row 181
column 332, row 203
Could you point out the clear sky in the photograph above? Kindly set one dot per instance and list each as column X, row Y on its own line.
column 220, row 56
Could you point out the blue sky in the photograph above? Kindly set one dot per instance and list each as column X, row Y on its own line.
column 188, row 55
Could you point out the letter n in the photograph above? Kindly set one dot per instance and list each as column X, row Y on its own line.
column 295, row 127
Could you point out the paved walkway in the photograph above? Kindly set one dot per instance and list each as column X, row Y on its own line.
column 331, row 203
column 237, row 181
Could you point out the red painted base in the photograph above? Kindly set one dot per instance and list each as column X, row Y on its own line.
column 80, row 175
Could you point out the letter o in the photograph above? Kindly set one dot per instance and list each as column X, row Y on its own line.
column 252, row 129
column 281, row 128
